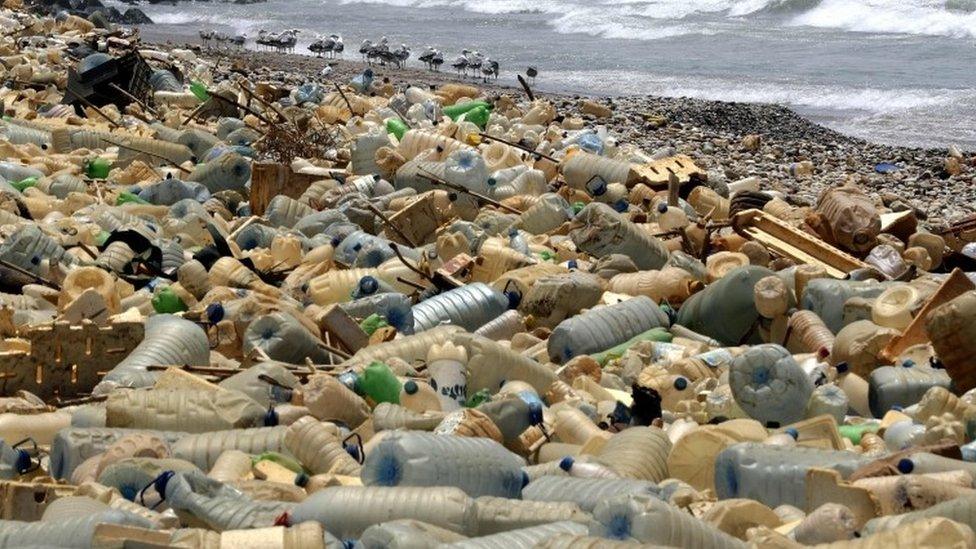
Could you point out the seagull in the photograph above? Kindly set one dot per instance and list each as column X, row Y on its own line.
column 427, row 57
column 322, row 45
column 474, row 63
column 365, row 48
column 489, row 69
column 437, row 60
column 401, row 55
column 461, row 63
column 206, row 35
column 239, row 40
column 339, row 46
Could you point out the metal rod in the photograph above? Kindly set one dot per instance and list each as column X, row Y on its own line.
column 141, row 103
column 525, row 86
column 487, row 200
column 35, row 276
column 344, row 98
column 88, row 103
column 147, row 153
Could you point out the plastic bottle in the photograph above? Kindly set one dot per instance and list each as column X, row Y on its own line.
column 903, row 385
column 776, row 475
column 203, row 449
column 552, row 298
column 379, row 384
column 347, row 511
column 950, row 326
column 581, row 167
column 809, row 334
column 602, row 231
column 652, row 521
column 585, row 492
column 470, row 306
column 167, row 340
column 604, row 327
column 476, row 465
column 852, row 220
column 184, row 410
column 13, row 462
column 505, row 326
column 389, row 417
column 198, row 499
column 318, row 448
column 826, row 297
column 281, row 337
column 74, row 532
column 419, row 397
column 638, row 453
column 328, row 399
column 670, row 283
column 769, row 385
column 446, row 364
column 42, row 428
column 725, row 310
column 546, row 214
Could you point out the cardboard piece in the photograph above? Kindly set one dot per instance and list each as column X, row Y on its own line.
column 827, row 486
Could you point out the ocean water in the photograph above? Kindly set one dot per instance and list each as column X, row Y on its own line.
column 890, row 71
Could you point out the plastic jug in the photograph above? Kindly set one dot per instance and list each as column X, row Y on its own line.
column 470, row 306
column 601, row 231
column 902, row 386
column 604, row 327
column 585, row 492
column 769, row 385
column 651, row 521
column 318, row 448
column 725, row 310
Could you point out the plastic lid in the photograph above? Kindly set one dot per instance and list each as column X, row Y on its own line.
column 368, row 285
column 842, row 367
column 301, row 480
column 353, row 451
column 905, row 466
column 621, row 205
column 680, row 383
column 411, row 387
column 271, row 418
column 792, row 432
column 23, row 462
column 514, row 298
column 525, row 479
column 215, row 312
column 662, row 207
column 572, row 264
column 566, row 463
column 908, row 363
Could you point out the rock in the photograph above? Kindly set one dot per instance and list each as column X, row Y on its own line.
column 135, row 16
column 595, row 109
column 953, row 165
column 752, row 142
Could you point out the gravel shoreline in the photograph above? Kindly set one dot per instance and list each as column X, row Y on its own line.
column 710, row 132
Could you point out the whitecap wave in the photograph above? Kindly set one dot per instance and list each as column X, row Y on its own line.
column 920, row 17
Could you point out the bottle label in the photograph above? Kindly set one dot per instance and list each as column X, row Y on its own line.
column 716, row 358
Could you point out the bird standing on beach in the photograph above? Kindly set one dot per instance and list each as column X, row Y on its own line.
column 400, row 55
column 322, row 45
column 239, row 40
column 365, row 48
column 461, row 63
column 489, row 68
column 206, row 35
column 427, row 56
column 437, row 60
column 339, row 46
column 474, row 63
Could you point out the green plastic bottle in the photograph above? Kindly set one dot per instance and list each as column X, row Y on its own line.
column 854, row 433
column 125, row 197
column 397, row 127
column 654, row 334
column 478, row 116
column 379, row 383
column 372, row 323
column 24, row 183
column 455, row 111
column 478, row 399
column 199, row 90
column 98, row 168
column 166, row 301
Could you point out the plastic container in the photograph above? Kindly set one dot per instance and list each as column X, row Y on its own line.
column 951, row 328
column 726, row 310
column 318, row 448
column 497, row 515
column 282, row 337
column 769, row 385
column 167, row 340
column 851, row 219
column 447, row 364
column 585, row 492
column 480, row 467
column 378, row 383
column 200, row 500
column 553, row 298
column 228, row 172
column 652, row 521
column 395, row 308
column 74, row 532
column 602, row 231
column 347, row 511
column 604, row 327
column 826, row 297
column 470, row 306
column 203, row 449
column 520, row 538
column 504, row 327
column 328, row 399
column 669, row 284
column 191, row 411
column 776, row 475
column 902, row 386
column 810, row 335
column 581, row 167
column 547, row 213
column 42, row 428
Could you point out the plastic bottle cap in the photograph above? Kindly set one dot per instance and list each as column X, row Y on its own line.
column 905, row 466
column 572, row 264
column 271, row 418
column 680, row 383
column 215, row 313
column 368, row 285
column 936, row 363
column 897, row 408
column 662, row 208
column 908, row 363
column 410, row 387
column 353, row 451
column 566, row 463
column 513, row 299
column 23, row 462
column 842, row 367
column 621, row 206
column 301, row 480
column 792, row 432
column 525, row 479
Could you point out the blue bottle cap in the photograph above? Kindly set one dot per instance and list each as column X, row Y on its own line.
column 513, row 299
column 905, row 466
column 301, row 480
column 662, row 207
column 353, row 451
column 271, row 418
column 368, row 285
column 908, row 363
column 215, row 313
column 23, row 462
column 842, row 367
column 566, row 463
column 525, row 479
column 680, row 383
column 572, row 264
column 410, row 387
column 792, row 432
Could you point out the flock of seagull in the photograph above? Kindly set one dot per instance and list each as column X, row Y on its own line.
column 469, row 63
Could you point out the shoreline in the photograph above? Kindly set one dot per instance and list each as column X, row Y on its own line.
column 709, row 131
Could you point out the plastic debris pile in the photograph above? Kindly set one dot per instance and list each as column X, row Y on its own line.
column 236, row 313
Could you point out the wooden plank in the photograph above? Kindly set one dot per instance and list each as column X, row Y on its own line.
column 788, row 241
column 657, row 173
column 418, row 220
column 268, row 180
column 335, row 322
column 956, row 284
